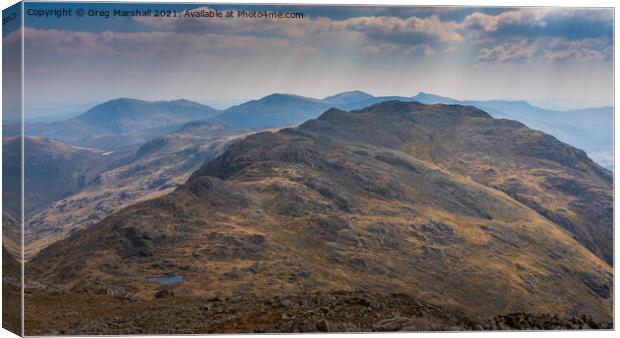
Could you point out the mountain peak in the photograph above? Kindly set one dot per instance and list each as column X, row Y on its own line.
column 186, row 102
column 280, row 98
column 383, row 120
column 128, row 101
column 430, row 98
column 415, row 107
column 285, row 95
column 513, row 103
column 328, row 113
column 126, row 115
column 274, row 110
column 131, row 105
column 118, row 101
column 348, row 97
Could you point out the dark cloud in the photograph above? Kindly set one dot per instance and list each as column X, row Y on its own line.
column 404, row 33
column 541, row 34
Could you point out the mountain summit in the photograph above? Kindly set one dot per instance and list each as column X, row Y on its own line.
column 122, row 122
column 348, row 97
column 123, row 114
column 275, row 110
column 428, row 98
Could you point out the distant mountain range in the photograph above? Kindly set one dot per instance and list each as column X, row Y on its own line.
column 588, row 129
column 443, row 203
column 123, row 122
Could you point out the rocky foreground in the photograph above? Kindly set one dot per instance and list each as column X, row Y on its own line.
column 342, row 311
column 362, row 312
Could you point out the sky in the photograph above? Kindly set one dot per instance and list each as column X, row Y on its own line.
column 11, row 66
column 537, row 54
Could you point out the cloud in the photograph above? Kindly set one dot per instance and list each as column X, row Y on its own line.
column 579, row 54
column 412, row 30
column 11, row 64
column 64, row 42
column 163, row 45
column 491, row 23
column 425, row 50
column 381, row 33
column 547, row 50
column 539, row 22
column 227, row 26
column 508, row 52
column 512, row 35
column 450, row 49
column 560, row 49
column 541, row 34
column 12, row 38
column 376, row 49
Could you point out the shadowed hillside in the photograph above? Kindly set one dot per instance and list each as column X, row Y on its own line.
column 156, row 168
column 53, row 170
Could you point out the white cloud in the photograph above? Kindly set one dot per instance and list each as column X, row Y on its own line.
column 376, row 49
column 547, row 50
column 11, row 38
column 576, row 54
column 403, row 30
column 425, row 50
column 518, row 51
column 490, row 23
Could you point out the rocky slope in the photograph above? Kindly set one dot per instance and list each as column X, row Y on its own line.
column 11, row 233
column 558, row 181
column 341, row 311
column 156, row 168
column 396, row 198
column 11, row 292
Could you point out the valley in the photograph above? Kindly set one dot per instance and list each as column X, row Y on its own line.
column 156, row 168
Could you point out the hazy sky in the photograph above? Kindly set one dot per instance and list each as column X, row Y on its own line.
column 466, row 53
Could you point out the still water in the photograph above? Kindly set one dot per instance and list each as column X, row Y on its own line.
column 166, row 280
